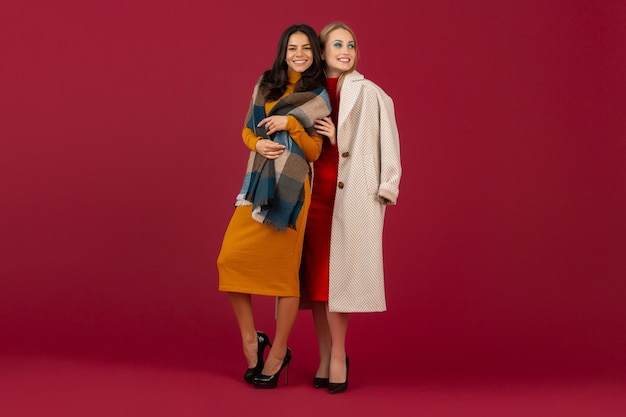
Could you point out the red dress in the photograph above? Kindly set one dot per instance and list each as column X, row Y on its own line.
column 316, row 250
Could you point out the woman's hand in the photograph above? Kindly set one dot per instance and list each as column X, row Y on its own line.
column 326, row 127
column 269, row 149
column 273, row 124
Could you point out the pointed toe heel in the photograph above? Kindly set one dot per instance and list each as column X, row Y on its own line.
column 337, row 387
column 271, row 381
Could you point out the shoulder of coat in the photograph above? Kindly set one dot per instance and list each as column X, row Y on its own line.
column 354, row 76
column 370, row 86
column 373, row 90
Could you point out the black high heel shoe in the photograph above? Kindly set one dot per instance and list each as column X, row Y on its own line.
column 263, row 341
column 320, row 382
column 271, row 381
column 337, row 387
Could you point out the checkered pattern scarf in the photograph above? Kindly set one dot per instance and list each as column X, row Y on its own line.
column 275, row 187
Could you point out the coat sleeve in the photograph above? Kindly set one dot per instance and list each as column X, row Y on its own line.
column 390, row 165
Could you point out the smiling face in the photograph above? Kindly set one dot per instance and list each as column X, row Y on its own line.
column 339, row 53
column 299, row 56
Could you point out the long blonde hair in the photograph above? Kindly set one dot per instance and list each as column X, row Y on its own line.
column 325, row 34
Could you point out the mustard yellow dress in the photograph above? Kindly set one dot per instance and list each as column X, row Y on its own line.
column 256, row 258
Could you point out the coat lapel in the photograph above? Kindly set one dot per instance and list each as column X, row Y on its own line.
column 348, row 95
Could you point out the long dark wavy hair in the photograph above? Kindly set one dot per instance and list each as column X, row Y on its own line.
column 274, row 81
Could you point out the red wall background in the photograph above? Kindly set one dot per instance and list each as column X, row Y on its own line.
column 121, row 155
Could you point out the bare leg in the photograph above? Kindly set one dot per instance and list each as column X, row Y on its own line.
column 338, row 325
column 287, row 312
column 318, row 308
column 242, row 306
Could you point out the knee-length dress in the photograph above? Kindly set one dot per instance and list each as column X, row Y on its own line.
column 256, row 258
column 316, row 248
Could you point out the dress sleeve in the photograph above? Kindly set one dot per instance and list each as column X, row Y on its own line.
column 249, row 138
column 311, row 145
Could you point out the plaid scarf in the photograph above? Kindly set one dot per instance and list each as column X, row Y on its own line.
column 275, row 187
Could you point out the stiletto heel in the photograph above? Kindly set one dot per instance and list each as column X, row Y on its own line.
column 337, row 387
column 263, row 341
column 271, row 381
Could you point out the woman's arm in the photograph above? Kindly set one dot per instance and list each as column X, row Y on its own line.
column 249, row 138
column 311, row 145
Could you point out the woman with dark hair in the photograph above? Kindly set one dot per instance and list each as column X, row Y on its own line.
column 356, row 177
column 262, row 246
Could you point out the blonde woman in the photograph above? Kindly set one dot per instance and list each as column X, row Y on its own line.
column 355, row 178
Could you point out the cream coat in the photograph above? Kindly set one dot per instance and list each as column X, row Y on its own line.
column 369, row 168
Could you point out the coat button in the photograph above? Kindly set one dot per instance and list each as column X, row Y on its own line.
column 345, row 154
column 340, row 185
